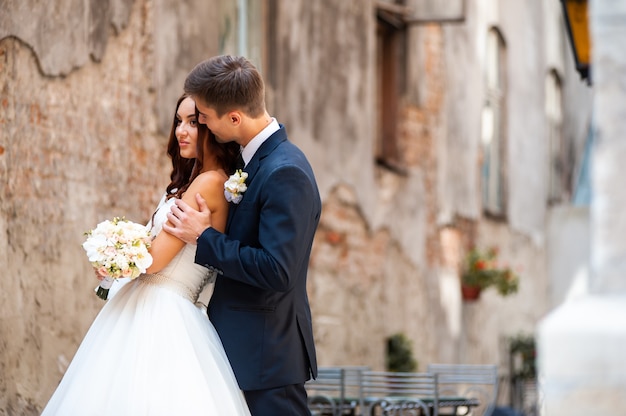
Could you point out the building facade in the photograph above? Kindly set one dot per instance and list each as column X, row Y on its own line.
column 432, row 126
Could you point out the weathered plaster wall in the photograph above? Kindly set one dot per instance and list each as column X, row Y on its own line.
column 324, row 86
column 83, row 87
column 526, row 133
column 76, row 151
column 49, row 27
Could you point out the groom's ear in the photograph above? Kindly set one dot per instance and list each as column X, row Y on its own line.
column 235, row 118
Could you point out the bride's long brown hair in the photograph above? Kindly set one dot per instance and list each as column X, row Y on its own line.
column 184, row 171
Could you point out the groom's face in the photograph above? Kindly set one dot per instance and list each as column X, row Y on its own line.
column 220, row 126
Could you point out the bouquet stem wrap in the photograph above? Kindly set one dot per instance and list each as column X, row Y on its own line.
column 103, row 289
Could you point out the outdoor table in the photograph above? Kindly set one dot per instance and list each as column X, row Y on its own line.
column 456, row 403
column 447, row 406
column 358, row 391
column 350, row 406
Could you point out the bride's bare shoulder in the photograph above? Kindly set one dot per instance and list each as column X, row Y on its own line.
column 210, row 181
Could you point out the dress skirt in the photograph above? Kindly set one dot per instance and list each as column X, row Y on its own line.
column 149, row 352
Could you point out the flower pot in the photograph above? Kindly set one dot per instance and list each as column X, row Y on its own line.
column 470, row 293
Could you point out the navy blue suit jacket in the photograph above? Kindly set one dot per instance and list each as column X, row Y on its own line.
column 259, row 305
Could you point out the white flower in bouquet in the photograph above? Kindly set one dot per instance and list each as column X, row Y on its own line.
column 118, row 248
column 235, row 186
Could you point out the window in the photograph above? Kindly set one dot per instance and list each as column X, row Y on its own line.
column 493, row 140
column 556, row 149
column 389, row 38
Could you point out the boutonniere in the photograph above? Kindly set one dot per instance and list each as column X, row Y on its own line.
column 235, row 186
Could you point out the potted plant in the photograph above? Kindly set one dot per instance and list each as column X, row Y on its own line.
column 522, row 370
column 399, row 359
column 399, row 354
column 481, row 270
column 523, row 357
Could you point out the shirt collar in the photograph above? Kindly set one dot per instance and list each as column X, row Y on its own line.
column 253, row 145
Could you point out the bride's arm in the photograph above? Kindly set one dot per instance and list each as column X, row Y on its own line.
column 211, row 186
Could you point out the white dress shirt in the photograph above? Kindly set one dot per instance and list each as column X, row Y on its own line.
column 253, row 145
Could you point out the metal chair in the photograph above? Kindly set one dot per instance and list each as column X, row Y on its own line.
column 473, row 387
column 324, row 391
column 335, row 391
column 398, row 393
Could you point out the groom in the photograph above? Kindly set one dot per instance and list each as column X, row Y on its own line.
column 259, row 304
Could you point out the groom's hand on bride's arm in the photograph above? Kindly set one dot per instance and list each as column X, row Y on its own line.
column 186, row 223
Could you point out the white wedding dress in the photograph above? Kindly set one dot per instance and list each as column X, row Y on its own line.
column 151, row 351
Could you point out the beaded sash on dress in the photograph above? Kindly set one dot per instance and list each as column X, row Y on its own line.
column 176, row 286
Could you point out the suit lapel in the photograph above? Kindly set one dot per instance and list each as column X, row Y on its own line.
column 253, row 166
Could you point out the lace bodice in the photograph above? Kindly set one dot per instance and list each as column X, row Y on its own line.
column 182, row 274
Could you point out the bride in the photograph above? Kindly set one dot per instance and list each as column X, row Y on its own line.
column 151, row 350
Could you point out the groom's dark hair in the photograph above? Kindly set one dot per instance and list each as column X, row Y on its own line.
column 225, row 83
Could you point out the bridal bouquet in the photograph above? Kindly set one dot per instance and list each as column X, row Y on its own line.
column 118, row 248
